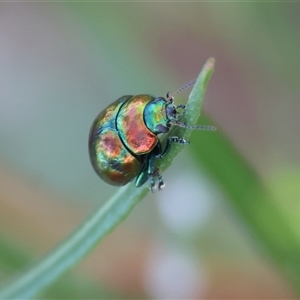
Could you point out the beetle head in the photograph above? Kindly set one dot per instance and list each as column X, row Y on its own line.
column 173, row 114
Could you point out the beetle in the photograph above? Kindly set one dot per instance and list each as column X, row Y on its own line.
column 124, row 142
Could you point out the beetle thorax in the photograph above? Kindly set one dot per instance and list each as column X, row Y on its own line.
column 155, row 116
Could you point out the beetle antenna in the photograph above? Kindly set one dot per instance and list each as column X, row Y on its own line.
column 194, row 127
column 182, row 88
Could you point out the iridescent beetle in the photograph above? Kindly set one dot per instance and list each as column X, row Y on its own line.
column 124, row 143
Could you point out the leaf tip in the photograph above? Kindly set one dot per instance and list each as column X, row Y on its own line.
column 211, row 61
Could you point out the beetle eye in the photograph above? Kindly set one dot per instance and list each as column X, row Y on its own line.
column 171, row 112
column 175, row 113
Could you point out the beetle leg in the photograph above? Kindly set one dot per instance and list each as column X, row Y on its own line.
column 172, row 139
column 148, row 171
column 153, row 181
column 156, row 176
column 183, row 106
column 152, row 171
column 143, row 176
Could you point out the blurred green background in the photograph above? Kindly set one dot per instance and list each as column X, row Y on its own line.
column 62, row 63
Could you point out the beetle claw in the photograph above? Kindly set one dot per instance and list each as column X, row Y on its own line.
column 161, row 185
column 176, row 139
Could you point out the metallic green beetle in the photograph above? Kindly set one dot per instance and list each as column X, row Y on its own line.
column 123, row 139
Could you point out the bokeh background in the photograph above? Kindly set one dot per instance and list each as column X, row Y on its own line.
column 62, row 63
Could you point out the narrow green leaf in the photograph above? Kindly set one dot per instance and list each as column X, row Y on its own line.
column 191, row 113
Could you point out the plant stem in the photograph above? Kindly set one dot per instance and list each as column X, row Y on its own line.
column 100, row 223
